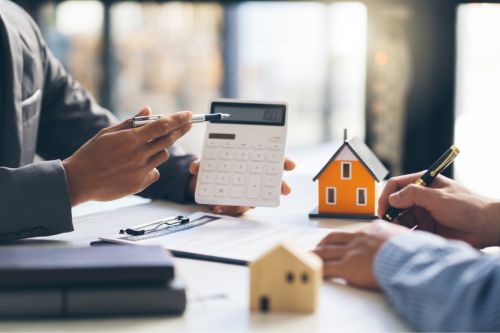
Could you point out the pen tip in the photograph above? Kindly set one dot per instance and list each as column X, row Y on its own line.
column 225, row 115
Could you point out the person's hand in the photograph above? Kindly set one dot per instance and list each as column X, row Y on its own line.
column 351, row 256
column 194, row 167
column 121, row 160
column 446, row 209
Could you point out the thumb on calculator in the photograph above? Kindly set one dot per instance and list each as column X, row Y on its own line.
column 194, row 168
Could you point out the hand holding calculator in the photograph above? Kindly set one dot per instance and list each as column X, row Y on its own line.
column 243, row 155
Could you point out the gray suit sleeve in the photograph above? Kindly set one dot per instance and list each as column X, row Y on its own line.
column 70, row 116
column 46, row 209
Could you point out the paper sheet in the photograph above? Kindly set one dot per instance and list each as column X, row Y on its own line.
column 94, row 207
column 227, row 237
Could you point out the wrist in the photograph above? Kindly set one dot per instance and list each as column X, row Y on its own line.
column 75, row 189
column 192, row 186
column 492, row 228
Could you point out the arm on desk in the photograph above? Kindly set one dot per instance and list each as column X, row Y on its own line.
column 440, row 285
column 34, row 201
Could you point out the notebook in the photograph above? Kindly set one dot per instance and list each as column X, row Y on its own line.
column 95, row 266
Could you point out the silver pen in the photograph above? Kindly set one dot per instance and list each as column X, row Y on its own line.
column 197, row 118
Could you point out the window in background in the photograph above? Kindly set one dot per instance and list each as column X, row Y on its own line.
column 478, row 101
column 168, row 57
column 311, row 55
column 73, row 32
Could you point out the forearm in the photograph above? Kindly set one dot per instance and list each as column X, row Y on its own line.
column 440, row 285
column 34, row 201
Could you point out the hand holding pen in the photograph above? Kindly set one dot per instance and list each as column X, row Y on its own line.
column 120, row 161
column 427, row 178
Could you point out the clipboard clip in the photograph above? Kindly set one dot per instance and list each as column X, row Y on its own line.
column 168, row 222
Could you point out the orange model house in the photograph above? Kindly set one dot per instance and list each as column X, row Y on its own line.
column 347, row 183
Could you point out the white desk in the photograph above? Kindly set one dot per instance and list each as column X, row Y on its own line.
column 218, row 293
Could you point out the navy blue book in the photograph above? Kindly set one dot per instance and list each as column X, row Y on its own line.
column 103, row 266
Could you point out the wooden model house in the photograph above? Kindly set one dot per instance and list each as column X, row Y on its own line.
column 347, row 183
column 285, row 279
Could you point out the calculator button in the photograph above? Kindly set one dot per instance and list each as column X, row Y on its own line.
column 259, row 146
column 274, row 156
column 223, row 179
column 269, row 193
column 258, row 156
column 205, row 190
column 276, row 138
column 276, row 146
column 221, row 191
column 210, row 154
column 228, row 144
column 226, row 154
column 239, row 179
column 243, row 145
column 257, row 168
column 225, row 166
column 274, row 168
column 213, row 144
column 253, row 187
column 240, row 167
column 271, row 181
column 207, row 178
column 242, row 155
column 208, row 165
column 237, row 192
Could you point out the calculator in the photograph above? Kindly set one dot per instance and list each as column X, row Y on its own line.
column 243, row 155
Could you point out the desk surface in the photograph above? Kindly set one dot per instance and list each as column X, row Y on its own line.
column 218, row 293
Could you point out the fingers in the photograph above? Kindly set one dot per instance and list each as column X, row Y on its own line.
column 285, row 188
column 335, row 268
column 168, row 141
column 158, row 159
column 338, row 237
column 164, row 126
column 230, row 210
column 289, row 165
column 415, row 195
column 331, row 252
column 151, row 177
column 145, row 111
column 397, row 183
column 394, row 184
column 194, row 167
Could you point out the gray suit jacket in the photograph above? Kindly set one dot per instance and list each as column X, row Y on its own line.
column 44, row 111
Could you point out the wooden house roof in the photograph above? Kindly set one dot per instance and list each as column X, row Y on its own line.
column 364, row 155
column 309, row 259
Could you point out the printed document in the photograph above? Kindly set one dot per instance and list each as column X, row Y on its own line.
column 216, row 237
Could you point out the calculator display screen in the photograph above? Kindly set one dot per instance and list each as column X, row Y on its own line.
column 248, row 113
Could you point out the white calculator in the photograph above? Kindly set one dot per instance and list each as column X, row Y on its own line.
column 243, row 155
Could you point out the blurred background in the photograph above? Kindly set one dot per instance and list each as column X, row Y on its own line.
column 410, row 77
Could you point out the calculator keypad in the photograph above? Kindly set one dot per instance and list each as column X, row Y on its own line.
column 241, row 170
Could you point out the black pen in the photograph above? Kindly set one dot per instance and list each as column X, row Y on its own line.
column 442, row 163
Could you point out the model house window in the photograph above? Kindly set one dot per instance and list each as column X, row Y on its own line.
column 361, row 197
column 346, row 170
column 331, row 195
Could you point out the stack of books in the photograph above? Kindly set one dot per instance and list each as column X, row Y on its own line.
column 91, row 281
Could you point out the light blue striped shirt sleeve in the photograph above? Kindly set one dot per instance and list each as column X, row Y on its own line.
column 440, row 285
